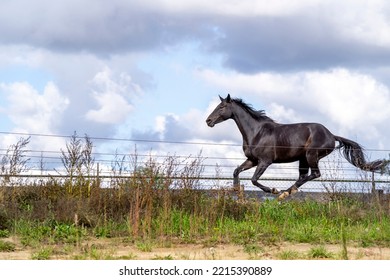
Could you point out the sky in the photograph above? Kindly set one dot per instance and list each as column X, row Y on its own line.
column 153, row 70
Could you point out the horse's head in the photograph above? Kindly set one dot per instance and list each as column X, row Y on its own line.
column 221, row 113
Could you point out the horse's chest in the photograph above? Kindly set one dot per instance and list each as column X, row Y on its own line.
column 256, row 152
column 250, row 152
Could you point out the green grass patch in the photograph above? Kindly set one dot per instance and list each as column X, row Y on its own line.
column 43, row 253
column 34, row 233
column 4, row 233
column 6, row 246
column 319, row 252
column 289, row 255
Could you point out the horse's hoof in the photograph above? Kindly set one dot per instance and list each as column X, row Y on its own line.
column 293, row 190
column 283, row 196
column 275, row 191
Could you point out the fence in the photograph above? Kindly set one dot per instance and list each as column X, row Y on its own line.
column 207, row 183
column 206, row 165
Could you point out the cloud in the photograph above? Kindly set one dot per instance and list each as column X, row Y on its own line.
column 355, row 101
column 112, row 96
column 235, row 8
column 252, row 36
column 113, row 108
column 311, row 39
column 101, row 92
column 34, row 112
column 284, row 115
column 85, row 26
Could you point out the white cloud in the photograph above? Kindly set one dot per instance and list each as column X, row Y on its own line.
column 282, row 114
column 363, row 21
column 113, row 108
column 268, row 84
column 34, row 112
column 353, row 100
column 21, row 55
column 112, row 94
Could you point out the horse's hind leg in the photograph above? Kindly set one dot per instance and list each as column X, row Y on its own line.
column 303, row 168
column 303, row 174
column 304, row 165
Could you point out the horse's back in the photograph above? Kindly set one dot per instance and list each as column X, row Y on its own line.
column 310, row 135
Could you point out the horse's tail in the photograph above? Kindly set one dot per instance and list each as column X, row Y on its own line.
column 353, row 152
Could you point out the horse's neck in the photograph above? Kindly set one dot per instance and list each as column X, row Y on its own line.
column 247, row 125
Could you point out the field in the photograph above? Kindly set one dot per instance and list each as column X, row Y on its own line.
column 49, row 223
column 159, row 213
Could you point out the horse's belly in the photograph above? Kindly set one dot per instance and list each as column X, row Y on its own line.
column 286, row 155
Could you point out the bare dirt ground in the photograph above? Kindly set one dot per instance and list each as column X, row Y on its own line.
column 118, row 249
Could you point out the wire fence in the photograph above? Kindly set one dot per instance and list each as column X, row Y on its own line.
column 213, row 183
column 212, row 165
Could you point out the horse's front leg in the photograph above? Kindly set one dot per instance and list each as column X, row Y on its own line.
column 244, row 166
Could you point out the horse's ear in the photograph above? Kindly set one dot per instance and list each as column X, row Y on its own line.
column 221, row 98
column 228, row 98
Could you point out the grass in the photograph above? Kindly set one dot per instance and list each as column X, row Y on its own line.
column 34, row 233
column 289, row 255
column 4, row 233
column 145, row 246
column 43, row 253
column 251, row 225
column 6, row 246
column 168, row 257
column 320, row 252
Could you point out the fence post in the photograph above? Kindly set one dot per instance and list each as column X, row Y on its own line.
column 377, row 194
column 97, row 176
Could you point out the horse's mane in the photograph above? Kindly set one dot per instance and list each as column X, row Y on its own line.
column 257, row 115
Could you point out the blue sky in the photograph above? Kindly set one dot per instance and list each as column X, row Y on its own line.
column 154, row 69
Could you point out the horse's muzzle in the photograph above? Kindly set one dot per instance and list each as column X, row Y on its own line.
column 210, row 123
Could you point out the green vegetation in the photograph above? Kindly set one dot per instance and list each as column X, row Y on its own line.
column 42, row 254
column 319, row 252
column 289, row 255
column 6, row 246
column 196, row 218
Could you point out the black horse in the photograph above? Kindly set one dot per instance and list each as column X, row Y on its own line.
column 266, row 142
